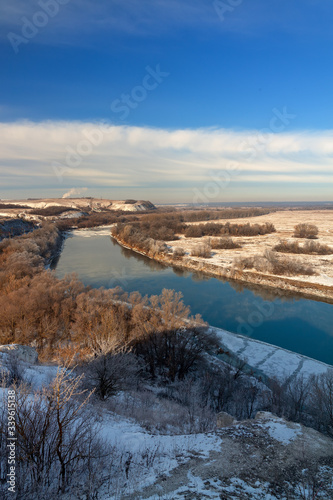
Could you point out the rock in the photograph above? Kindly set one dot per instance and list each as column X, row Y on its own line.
column 223, row 419
column 23, row 352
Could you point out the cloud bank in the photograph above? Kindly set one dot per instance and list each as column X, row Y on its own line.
column 165, row 165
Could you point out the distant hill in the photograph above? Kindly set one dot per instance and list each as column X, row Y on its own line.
column 94, row 204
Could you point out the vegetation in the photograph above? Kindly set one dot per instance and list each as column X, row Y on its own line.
column 310, row 247
column 60, row 451
column 224, row 213
column 54, row 211
column 211, row 229
column 305, row 230
column 38, row 308
column 273, row 264
column 224, row 243
column 202, row 250
column 140, row 357
column 8, row 205
column 178, row 253
column 151, row 231
column 94, row 219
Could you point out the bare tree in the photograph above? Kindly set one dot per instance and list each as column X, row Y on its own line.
column 56, row 436
column 297, row 394
column 322, row 401
column 111, row 372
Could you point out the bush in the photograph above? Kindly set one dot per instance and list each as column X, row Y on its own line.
column 194, row 231
column 203, row 250
column 306, row 230
column 158, row 247
column 57, row 439
column 10, row 206
column 174, row 352
column 53, row 211
column 217, row 229
column 224, row 243
column 111, row 372
column 178, row 253
column 272, row 264
column 310, row 247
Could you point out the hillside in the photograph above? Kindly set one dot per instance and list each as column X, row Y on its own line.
column 266, row 457
column 94, row 204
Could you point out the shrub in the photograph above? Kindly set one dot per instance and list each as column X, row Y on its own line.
column 271, row 263
column 306, row 230
column 194, row 231
column 316, row 248
column 53, row 211
column 310, row 247
column 217, row 229
column 111, row 372
column 158, row 247
column 224, row 243
column 178, row 253
column 57, row 438
column 10, row 206
column 203, row 250
column 173, row 352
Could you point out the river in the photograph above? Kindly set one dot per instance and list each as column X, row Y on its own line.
column 300, row 325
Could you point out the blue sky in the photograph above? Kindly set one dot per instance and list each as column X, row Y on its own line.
column 167, row 69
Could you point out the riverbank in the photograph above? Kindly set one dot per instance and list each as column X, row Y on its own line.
column 289, row 285
column 267, row 361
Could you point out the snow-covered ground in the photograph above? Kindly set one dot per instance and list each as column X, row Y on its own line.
column 153, row 455
column 227, row 462
column 89, row 233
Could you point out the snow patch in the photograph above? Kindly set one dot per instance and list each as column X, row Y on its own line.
column 281, row 432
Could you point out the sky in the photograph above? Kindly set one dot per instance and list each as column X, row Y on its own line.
column 168, row 100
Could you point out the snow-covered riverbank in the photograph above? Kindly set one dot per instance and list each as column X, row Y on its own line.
column 269, row 360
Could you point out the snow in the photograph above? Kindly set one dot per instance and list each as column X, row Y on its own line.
column 40, row 376
column 258, row 492
column 232, row 341
column 90, row 233
column 322, row 279
column 281, row 432
column 312, row 366
column 164, row 452
column 270, row 360
column 72, row 215
column 214, row 489
column 281, row 364
column 256, row 352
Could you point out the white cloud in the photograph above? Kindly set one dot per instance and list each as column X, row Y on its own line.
column 58, row 155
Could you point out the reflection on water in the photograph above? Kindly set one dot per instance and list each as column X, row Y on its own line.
column 297, row 324
column 128, row 254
